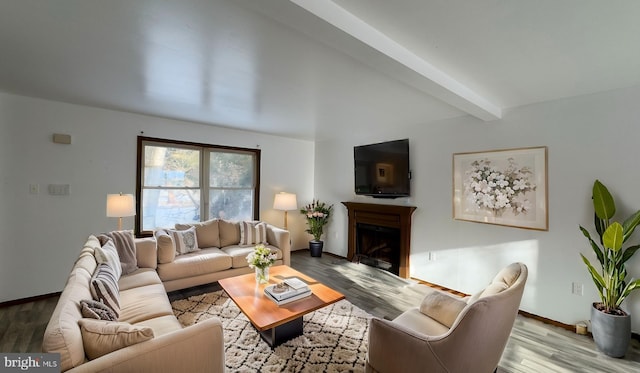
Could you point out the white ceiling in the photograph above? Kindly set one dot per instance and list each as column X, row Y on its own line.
column 305, row 68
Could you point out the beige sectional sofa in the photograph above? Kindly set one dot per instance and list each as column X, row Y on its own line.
column 147, row 337
column 221, row 254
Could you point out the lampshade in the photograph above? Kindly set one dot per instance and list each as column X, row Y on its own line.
column 285, row 202
column 120, row 205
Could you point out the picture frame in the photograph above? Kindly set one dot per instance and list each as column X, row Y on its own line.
column 384, row 173
column 503, row 187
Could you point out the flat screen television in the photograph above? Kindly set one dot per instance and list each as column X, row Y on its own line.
column 382, row 169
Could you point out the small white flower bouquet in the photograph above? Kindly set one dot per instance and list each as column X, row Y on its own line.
column 261, row 257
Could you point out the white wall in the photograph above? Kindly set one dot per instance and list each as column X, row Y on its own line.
column 42, row 234
column 587, row 137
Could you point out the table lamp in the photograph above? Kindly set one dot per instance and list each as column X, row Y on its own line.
column 120, row 205
column 285, row 202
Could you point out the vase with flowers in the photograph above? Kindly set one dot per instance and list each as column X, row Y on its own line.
column 261, row 258
column 317, row 214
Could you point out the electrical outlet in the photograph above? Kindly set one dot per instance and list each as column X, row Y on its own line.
column 577, row 289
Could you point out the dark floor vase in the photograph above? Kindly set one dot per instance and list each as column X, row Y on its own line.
column 316, row 248
column 611, row 333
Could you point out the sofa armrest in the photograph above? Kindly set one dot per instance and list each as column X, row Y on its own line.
column 146, row 252
column 280, row 238
column 197, row 348
column 393, row 348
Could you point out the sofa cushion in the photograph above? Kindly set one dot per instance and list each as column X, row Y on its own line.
column 126, row 247
column 104, row 287
column 252, row 233
column 102, row 337
column 92, row 309
column 141, row 277
column 161, row 325
column 239, row 254
column 147, row 252
column 206, row 231
column 443, row 308
column 185, row 241
column 107, row 254
column 144, row 303
column 166, row 247
column 229, row 232
column 193, row 264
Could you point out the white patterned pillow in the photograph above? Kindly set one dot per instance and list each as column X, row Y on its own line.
column 185, row 241
column 104, row 287
column 253, row 233
column 108, row 254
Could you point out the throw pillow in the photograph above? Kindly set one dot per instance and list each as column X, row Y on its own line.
column 253, row 233
column 97, row 310
column 104, row 287
column 442, row 307
column 229, row 232
column 166, row 247
column 101, row 337
column 185, row 241
column 126, row 247
column 107, row 254
column 207, row 232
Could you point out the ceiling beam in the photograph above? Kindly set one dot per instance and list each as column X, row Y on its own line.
column 416, row 71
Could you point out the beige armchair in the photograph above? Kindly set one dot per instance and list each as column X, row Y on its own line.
column 448, row 333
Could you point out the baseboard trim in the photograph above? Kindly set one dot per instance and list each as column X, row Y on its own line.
column 16, row 302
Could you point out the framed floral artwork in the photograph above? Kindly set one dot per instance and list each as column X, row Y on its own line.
column 504, row 187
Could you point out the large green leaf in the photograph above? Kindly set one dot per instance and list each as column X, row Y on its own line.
column 594, row 246
column 612, row 237
column 603, row 202
column 628, row 253
column 600, row 224
column 630, row 224
column 633, row 285
column 597, row 278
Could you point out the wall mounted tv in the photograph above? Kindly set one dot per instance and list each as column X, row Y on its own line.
column 382, row 169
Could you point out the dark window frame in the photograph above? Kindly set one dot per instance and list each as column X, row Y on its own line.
column 204, row 188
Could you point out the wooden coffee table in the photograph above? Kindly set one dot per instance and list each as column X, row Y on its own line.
column 276, row 324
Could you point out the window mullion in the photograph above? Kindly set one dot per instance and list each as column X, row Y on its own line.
column 204, row 184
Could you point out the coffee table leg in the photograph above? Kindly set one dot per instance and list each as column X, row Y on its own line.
column 282, row 333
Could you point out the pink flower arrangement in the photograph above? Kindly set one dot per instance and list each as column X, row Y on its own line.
column 317, row 214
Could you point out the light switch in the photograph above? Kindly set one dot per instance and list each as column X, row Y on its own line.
column 61, row 138
column 59, row 189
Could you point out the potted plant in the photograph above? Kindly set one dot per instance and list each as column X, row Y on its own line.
column 610, row 324
column 317, row 214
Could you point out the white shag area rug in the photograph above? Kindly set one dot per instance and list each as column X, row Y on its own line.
column 334, row 338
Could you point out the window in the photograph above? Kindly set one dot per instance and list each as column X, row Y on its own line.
column 181, row 182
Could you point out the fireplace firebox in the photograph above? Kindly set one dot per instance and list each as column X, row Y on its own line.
column 378, row 246
column 378, row 223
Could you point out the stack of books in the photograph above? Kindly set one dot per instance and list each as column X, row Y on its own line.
column 287, row 291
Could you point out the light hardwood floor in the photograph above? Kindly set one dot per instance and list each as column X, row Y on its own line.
column 533, row 347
